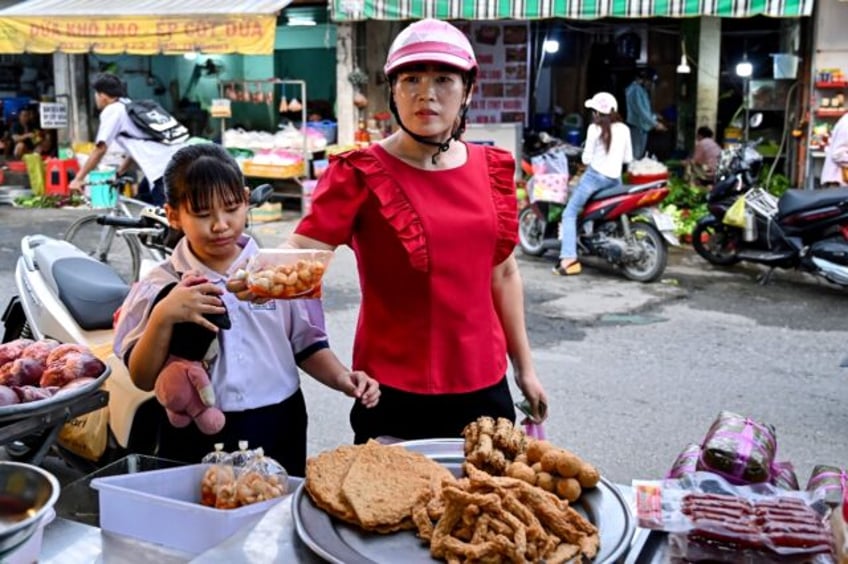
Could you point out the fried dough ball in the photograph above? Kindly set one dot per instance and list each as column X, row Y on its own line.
column 522, row 472
column 536, row 448
column 568, row 464
column 588, row 476
column 568, row 488
column 537, row 467
column 545, row 481
column 549, row 460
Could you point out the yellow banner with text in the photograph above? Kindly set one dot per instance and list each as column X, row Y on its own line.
column 139, row 35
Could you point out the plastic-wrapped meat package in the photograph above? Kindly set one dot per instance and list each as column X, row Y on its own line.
column 739, row 449
column 783, row 476
column 686, row 462
column 711, row 520
column 828, row 482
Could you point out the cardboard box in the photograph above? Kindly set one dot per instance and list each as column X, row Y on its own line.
column 163, row 507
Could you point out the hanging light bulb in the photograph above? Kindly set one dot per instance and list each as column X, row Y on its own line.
column 683, row 67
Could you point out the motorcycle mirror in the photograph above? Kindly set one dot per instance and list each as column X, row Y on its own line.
column 260, row 194
column 756, row 120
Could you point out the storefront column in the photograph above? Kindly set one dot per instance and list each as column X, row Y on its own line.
column 69, row 76
column 345, row 110
column 709, row 68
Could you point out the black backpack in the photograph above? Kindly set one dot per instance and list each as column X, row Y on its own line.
column 155, row 121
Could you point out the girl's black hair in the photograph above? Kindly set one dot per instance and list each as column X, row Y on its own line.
column 605, row 121
column 109, row 84
column 198, row 174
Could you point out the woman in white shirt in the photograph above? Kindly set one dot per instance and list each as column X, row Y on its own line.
column 606, row 150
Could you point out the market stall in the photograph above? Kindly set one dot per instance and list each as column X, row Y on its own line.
column 284, row 155
column 511, row 502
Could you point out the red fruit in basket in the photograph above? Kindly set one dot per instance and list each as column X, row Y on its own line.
column 13, row 350
column 69, row 367
column 21, row 372
column 8, row 396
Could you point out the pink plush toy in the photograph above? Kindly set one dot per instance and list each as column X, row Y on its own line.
column 185, row 391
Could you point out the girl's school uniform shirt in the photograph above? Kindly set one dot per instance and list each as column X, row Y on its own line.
column 258, row 356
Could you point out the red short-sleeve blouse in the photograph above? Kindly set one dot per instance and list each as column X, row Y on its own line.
column 426, row 243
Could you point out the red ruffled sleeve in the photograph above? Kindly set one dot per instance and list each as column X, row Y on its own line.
column 335, row 203
column 502, row 173
column 345, row 187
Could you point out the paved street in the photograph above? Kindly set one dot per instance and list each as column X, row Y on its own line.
column 634, row 372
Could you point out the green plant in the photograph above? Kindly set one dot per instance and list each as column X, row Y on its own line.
column 777, row 185
column 51, row 201
column 685, row 218
column 684, row 195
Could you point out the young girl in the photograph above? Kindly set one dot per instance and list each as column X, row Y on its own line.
column 607, row 149
column 255, row 374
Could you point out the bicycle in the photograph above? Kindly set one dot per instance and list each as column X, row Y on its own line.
column 108, row 243
column 143, row 235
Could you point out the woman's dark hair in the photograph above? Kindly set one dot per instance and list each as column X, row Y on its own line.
column 109, row 84
column 198, row 174
column 605, row 122
column 705, row 131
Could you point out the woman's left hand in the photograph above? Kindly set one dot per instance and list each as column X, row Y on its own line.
column 363, row 387
column 533, row 391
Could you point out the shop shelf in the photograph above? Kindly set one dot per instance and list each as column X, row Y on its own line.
column 830, row 84
column 830, row 112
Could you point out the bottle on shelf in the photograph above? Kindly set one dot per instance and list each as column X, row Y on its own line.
column 362, row 138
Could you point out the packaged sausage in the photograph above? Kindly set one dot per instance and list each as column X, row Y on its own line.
column 287, row 273
column 711, row 520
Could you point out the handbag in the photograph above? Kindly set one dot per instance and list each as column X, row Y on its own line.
column 735, row 215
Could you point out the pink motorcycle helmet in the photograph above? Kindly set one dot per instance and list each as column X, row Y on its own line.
column 430, row 41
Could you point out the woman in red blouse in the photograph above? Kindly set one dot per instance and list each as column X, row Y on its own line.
column 433, row 223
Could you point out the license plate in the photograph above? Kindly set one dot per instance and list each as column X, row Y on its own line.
column 663, row 221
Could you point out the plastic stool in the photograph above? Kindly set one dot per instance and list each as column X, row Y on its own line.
column 59, row 173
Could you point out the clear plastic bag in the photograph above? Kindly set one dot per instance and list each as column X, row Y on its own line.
column 287, row 273
column 710, row 519
column 261, row 479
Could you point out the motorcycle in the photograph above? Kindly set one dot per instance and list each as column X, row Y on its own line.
column 621, row 225
column 67, row 295
column 803, row 229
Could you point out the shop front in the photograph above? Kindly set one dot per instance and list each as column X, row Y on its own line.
column 89, row 36
column 540, row 60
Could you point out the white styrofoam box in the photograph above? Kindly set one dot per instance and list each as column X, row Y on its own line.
column 30, row 550
column 163, row 507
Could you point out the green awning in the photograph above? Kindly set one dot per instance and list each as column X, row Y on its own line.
column 358, row 10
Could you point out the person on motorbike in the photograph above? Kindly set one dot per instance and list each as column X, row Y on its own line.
column 606, row 151
column 117, row 127
column 836, row 155
column 255, row 373
column 433, row 222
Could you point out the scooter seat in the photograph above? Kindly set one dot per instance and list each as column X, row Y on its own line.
column 793, row 201
column 91, row 291
column 610, row 192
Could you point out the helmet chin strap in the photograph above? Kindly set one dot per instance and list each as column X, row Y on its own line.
column 442, row 146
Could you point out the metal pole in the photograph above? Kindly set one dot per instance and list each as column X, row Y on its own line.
column 745, row 103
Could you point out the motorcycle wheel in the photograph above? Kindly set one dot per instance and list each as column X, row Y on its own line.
column 654, row 257
column 103, row 243
column 531, row 232
column 715, row 242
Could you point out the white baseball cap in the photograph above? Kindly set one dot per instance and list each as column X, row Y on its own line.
column 602, row 102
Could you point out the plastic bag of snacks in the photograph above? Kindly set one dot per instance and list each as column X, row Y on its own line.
column 261, row 479
column 287, row 273
column 783, row 476
column 739, row 449
column 241, row 478
column 220, row 473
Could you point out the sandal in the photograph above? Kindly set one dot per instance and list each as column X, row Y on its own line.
column 572, row 269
